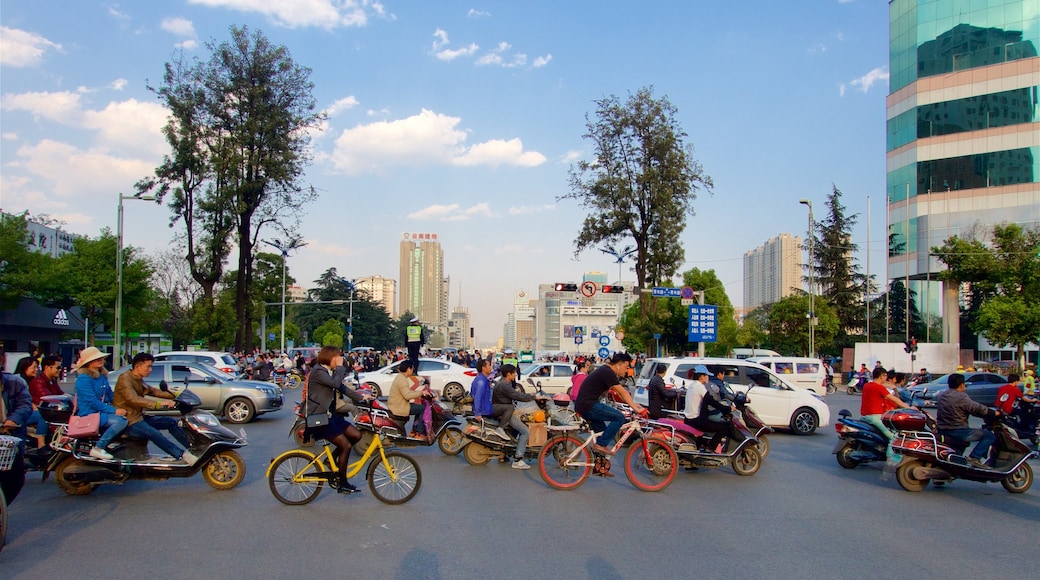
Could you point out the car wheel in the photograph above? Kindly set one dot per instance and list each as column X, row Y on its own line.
column 804, row 421
column 239, row 410
column 374, row 388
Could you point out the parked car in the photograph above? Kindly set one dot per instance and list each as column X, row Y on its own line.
column 221, row 360
column 981, row 387
column 803, row 372
column 777, row 402
column 445, row 377
column 237, row 400
column 555, row 377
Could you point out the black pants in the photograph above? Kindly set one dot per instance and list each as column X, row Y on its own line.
column 718, row 429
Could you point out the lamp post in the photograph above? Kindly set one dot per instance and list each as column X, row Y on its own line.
column 350, row 317
column 619, row 257
column 812, row 303
column 292, row 244
column 117, row 344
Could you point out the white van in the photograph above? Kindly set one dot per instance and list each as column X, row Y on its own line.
column 803, row 372
column 744, row 353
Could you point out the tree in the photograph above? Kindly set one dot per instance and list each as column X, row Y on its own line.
column 330, row 327
column 753, row 329
column 641, row 183
column 371, row 323
column 1002, row 280
column 714, row 293
column 789, row 323
column 837, row 273
column 897, row 314
column 239, row 130
column 20, row 267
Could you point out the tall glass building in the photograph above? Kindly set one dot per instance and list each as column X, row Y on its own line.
column 963, row 147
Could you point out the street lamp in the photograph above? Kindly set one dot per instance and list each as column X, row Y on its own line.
column 350, row 317
column 117, row 344
column 812, row 305
column 619, row 257
column 292, row 244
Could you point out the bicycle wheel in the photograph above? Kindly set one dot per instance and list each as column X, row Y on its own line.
column 651, row 464
column 400, row 487
column 554, row 468
column 284, row 478
column 293, row 381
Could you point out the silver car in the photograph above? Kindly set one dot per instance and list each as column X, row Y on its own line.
column 238, row 401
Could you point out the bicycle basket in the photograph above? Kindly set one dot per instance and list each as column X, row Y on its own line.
column 8, row 449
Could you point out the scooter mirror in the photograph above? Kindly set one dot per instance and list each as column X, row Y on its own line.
column 164, row 386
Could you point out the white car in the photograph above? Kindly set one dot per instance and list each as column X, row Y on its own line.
column 777, row 403
column 446, row 378
column 221, row 360
column 555, row 377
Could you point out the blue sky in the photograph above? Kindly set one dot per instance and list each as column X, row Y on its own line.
column 462, row 118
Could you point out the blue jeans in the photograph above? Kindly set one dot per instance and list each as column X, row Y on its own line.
column 41, row 424
column 149, row 429
column 521, row 441
column 606, row 419
column 112, row 427
column 985, row 439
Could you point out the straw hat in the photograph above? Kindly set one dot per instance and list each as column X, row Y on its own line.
column 91, row 353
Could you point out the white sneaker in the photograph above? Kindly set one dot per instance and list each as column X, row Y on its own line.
column 99, row 453
column 189, row 458
column 501, row 433
column 519, row 464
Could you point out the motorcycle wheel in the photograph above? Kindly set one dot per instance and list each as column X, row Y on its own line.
column 299, row 434
column 844, row 456
column 476, row 454
column 851, row 390
column 225, row 470
column 747, row 462
column 285, row 469
column 451, row 441
column 831, row 388
column 1020, row 480
column 402, row 486
column 293, row 381
column 905, row 476
column 376, row 391
column 61, row 475
column 453, row 392
column 763, row 446
column 654, row 469
column 555, row 473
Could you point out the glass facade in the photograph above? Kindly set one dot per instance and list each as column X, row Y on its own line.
column 1001, row 109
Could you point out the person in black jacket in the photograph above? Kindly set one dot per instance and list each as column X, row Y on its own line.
column 324, row 383
column 658, row 392
column 715, row 416
column 15, row 409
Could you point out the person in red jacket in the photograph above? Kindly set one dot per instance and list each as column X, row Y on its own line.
column 1009, row 393
column 876, row 400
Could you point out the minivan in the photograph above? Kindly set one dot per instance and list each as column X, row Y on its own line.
column 743, row 353
column 803, row 372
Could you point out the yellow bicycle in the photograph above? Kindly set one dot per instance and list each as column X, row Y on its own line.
column 297, row 476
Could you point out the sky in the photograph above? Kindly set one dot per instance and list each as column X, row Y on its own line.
column 463, row 119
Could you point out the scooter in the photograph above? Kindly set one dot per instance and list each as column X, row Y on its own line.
column 374, row 417
column 861, row 442
column 1025, row 420
column 691, row 445
column 928, row 457
column 77, row 473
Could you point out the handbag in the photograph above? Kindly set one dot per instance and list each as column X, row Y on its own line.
column 317, row 420
column 85, row 426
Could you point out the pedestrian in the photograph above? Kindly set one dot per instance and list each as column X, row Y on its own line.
column 1029, row 383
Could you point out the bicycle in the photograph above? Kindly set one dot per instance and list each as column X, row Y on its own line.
column 564, row 462
column 296, row 477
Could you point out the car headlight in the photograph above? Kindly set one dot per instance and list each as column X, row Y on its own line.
column 818, row 398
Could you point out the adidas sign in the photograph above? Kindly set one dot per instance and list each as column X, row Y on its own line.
column 61, row 318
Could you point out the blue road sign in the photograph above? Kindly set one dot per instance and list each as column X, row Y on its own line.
column 604, row 340
column 662, row 292
column 578, row 339
column 603, row 352
column 703, row 323
column 579, row 331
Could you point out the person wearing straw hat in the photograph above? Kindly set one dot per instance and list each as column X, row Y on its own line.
column 94, row 395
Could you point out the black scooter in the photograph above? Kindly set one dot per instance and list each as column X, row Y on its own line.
column 77, row 473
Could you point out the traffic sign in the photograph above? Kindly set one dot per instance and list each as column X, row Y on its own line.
column 578, row 339
column 595, row 332
column 603, row 352
column 687, row 292
column 619, row 335
column 662, row 292
column 579, row 331
column 604, row 340
column 703, row 323
column 588, row 289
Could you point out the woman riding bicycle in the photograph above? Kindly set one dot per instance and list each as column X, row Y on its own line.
column 325, row 381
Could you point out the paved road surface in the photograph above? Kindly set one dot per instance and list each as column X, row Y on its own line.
column 800, row 516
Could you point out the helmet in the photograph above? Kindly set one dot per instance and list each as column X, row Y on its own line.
column 562, row 399
column 701, row 370
column 971, row 369
column 1029, row 373
column 960, row 367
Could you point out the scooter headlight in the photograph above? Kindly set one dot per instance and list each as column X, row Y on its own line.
column 207, row 419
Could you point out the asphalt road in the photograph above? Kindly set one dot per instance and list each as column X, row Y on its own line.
column 801, row 515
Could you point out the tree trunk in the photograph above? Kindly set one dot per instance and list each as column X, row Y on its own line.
column 245, row 249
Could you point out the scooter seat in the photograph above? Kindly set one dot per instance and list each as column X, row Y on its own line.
column 488, row 421
column 681, row 426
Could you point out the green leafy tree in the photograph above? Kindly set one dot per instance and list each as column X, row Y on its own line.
column 1002, row 280
column 714, row 293
column 21, row 269
column 371, row 325
column 789, row 323
column 753, row 330
column 837, row 273
column 329, row 327
column 641, row 183
column 239, row 132
column 897, row 314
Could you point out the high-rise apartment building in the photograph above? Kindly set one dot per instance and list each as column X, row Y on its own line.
column 382, row 291
column 772, row 271
column 460, row 329
column 963, row 145
column 424, row 290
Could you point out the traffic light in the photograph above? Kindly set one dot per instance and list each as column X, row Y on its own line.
column 608, row 289
column 908, row 347
column 913, row 345
column 562, row 287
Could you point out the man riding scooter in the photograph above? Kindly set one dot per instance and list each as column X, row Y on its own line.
column 130, row 395
column 953, row 408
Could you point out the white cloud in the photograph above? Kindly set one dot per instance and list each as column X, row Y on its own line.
column 62, row 107
column 428, row 138
column 449, row 55
column 74, row 172
column 341, row 105
column 328, row 14
column 9, row 136
column 115, row 13
column 451, row 212
column 474, row 13
column 440, row 39
column 541, row 61
column 118, row 84
column 523, row 210
column 187, row 44
column 570, row 156
column 817, row 48
column 178, row 26
column 866, row 81
column 21, row 48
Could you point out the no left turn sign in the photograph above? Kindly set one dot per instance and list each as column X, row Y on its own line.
column 588, row 289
